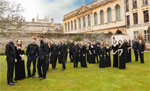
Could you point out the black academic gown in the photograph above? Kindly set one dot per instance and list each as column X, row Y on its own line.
column 83, row 56
column 125, row 46
column 102, row 58
column 91, row 55
column 108, row 59
column 129, row 53
column 122, row 61
column 115, row 56
column 19, row 66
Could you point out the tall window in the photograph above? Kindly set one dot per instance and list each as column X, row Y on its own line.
column 136, row 33
column 84, row 21
column 146, row 16
column 95, row 18
column 79, row 22
column 135, row 18
column 117, row 12
column 147, row 36
column 127, row 5
column 128, row 20
column 65, row 26
column 71, row 25
column 109, row 17
column 134, row 3
column 68, row 26
column 102, row 16
column 89, row 20
column 75, row 24
column 145, row 2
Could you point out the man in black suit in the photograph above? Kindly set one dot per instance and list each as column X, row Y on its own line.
column 11, row 59
column 41, row 59
column 54, row 55
column 32, row 54
column 135, row 48
column 71, row 51
column 141, row 49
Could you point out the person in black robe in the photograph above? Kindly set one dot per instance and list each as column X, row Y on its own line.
column 122, row 62
column 75, row 55
column 91, row 54
column 62, row 53
column 129, row 51
column 107, row 53
column 47, row 45
column 125, row 45
column 115, row 53
column 11, row 59
column 19, row 65
column 135, row 46
column 87, row 52
column 70, row 51
column 102, row 56
column 41, row 66
column 83, row 55
column 54, row 55
column 66, row 50
column 32, row 54
column 96, row 46
column 141, row 49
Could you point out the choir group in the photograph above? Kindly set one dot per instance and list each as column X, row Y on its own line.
column 49, row 52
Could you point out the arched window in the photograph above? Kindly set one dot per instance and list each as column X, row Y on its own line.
column 65, row 26
column 71, row 25
column 79, row 22
column 117, row 12
column 68, row 26
column 84, row 21
column 109, row 15
column 75, row 24
column 95, row 18
column 89, row 20
column 102, row 16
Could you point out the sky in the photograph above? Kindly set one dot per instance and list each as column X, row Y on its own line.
column 53, row 8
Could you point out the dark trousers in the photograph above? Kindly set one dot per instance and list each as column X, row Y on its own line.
column 47, row 62
column 10, row 70
column 75, row 62
column 31, row 59
column 136, row 55
column 41, row 67
column 63, row 62
column 54, row 61
column 96, row 56
column 71, row 58
column 141, row 57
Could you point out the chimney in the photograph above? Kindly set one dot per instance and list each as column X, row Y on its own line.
column 83, row 3
column 33, row 20
column 52, row 21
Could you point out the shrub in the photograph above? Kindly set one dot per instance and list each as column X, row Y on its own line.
column 77, row 38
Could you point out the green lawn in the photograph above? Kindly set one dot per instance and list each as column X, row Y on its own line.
column 135, row 78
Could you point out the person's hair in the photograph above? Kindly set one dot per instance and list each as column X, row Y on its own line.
column 20, row 44
column 34, row 38
column 41, row 36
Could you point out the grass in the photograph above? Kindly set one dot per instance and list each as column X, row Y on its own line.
column 135, row 78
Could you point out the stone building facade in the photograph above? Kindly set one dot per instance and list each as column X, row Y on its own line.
column 42, row 25
column 99, row 16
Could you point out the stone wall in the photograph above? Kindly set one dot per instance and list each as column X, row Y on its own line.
column 26, row 37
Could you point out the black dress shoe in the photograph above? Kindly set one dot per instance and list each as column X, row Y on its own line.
column 62, row 69
column 10, row 83
column 42, row 78
column 34, row 77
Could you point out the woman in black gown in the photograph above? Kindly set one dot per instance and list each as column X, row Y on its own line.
column 107, row 53
column 102, row 56
column 19, row 65
column 122, row 62
column 125, row 44
column 91, row 54
column 129, row 51
column 115, row 54
column 83, row 55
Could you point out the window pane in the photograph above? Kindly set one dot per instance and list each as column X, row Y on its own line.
column 117, row 12
column 95, row 18
column 109, row 15
column 102, row 17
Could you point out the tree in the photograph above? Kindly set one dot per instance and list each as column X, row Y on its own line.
column 10, row 15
